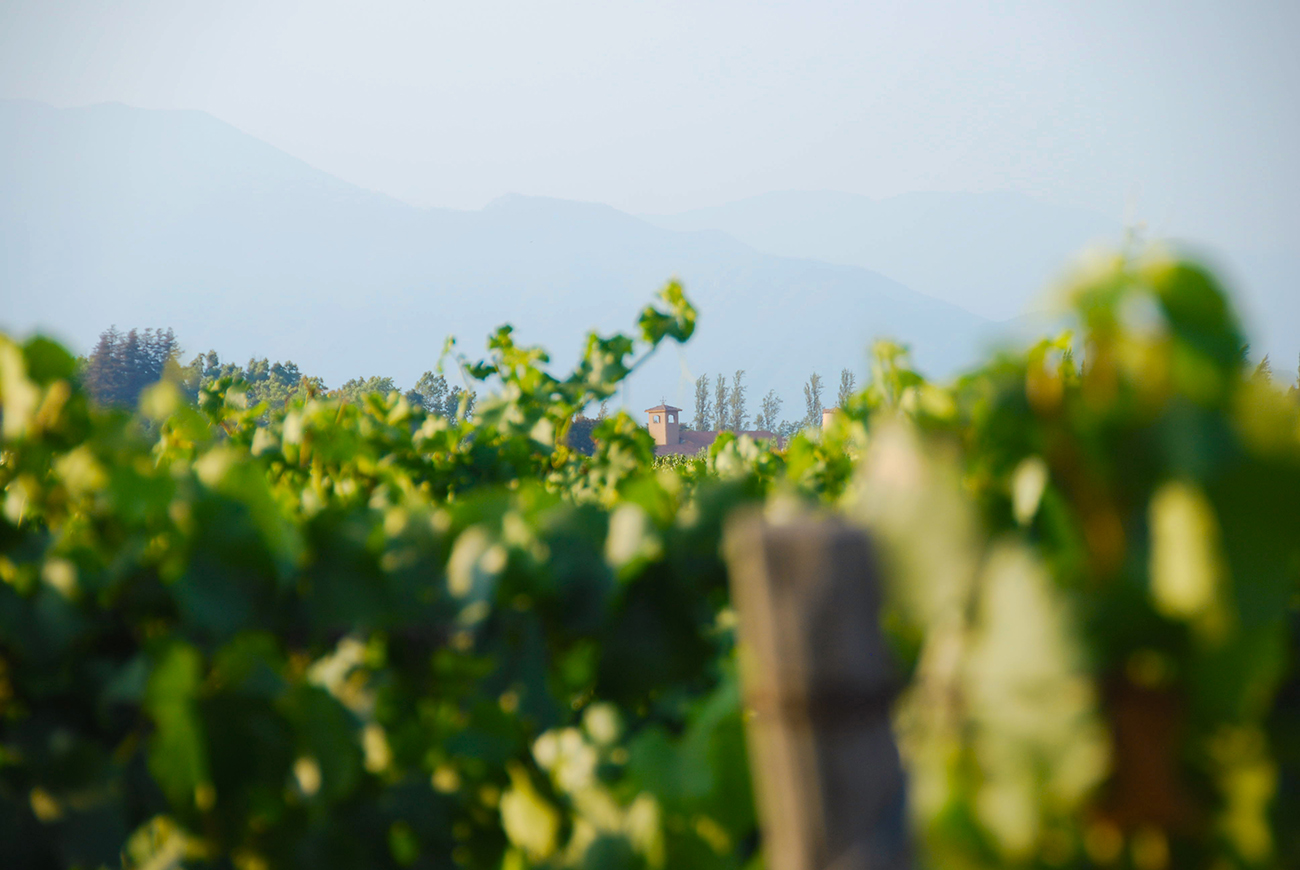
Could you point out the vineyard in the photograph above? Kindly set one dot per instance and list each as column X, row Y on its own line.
column 357, row 634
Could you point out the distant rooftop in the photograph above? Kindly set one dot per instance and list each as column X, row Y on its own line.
column 693, row 441
column 662, row 408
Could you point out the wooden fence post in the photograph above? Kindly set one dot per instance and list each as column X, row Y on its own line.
column 817, row 679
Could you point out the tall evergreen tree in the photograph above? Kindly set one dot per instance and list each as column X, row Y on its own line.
column 703, row 419
column 847, row 383
column 812, row 397
column 102, row 373
column 121, row 366
column 737, row 417
column 132, row 361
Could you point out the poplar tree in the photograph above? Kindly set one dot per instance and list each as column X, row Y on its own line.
column 720, row 404
column 847, row 383
column 812, row 397
column 736, row 402
column 703, row 419
column 768, row 410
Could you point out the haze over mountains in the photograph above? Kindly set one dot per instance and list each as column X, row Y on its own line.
column 995, row 254
column 991, row 253
column 115, row 215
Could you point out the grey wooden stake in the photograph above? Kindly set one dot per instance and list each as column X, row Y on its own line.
column 817, row 683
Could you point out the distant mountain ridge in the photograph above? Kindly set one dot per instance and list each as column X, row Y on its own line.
column 115, row 215
column 998, row 255
column 990, row 253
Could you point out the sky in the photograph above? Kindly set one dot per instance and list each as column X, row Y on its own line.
column 1179, row 115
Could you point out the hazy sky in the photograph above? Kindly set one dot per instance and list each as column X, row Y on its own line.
column 1185, row 114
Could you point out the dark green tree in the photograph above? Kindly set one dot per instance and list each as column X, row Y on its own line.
column 121, row 366
column 357, row 388
column 429, row 393
column 263, row 381
column 101, row 373
column 459, row 404
column 579, row 435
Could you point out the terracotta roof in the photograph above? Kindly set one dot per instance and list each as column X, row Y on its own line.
column 662, row 408
column 685, row 449
column 693, row 441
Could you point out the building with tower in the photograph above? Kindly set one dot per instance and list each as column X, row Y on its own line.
column 664, row 424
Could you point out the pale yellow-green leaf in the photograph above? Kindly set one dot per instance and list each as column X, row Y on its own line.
column 81, row 472
column 1187, row 568
column 19, row 395
column 603, row 723
column 160, row 401
column 630, row 536
column 475, row 562
column 529, row 820
column 1027, row 486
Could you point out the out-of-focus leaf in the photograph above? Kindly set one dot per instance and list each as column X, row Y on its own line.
column 178, row 757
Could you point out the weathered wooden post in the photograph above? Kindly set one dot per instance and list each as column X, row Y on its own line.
column 817, row 679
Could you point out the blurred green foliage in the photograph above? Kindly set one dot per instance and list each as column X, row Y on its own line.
column 367, row 634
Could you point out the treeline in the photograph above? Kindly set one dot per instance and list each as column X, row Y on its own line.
column 720, row 406
column 723, row 406
column 1264, row 371
column 123, row 364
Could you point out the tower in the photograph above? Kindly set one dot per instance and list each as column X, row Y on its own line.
column 663, row 424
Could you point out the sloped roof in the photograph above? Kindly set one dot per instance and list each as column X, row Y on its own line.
column 693, row 441
column 662, row 408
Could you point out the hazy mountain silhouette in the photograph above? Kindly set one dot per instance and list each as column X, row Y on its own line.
column 116, row 215
column 995, row 254
column 990, row 253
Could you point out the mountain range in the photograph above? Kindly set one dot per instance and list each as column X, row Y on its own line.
column 993, row 254
column 117, row 215
column 1000, row 255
